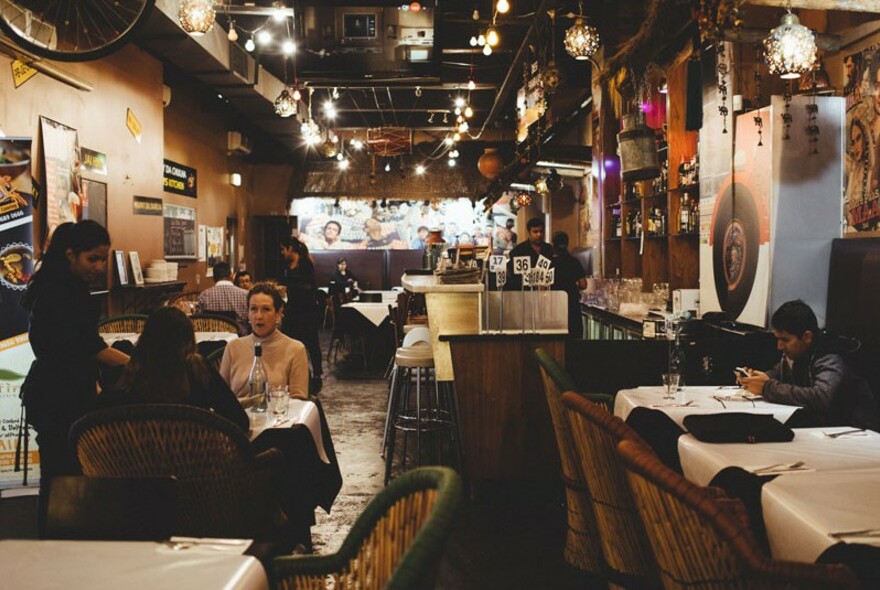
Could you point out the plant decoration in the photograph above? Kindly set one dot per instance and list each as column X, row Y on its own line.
column 714, row 17
column 721, row 70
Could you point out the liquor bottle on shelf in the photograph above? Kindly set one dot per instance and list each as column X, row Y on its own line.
column 638, row 225
column 684, row 217
column 615, row 222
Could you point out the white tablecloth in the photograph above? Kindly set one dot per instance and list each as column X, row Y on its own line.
column 299, row 411
column 702, row 403
column 802, row 510
column 701, row 461
column 375, row 312
column 112, row 565
column 132, row 337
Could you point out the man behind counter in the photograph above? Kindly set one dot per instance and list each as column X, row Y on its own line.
column 811, row 373
column 533, row 247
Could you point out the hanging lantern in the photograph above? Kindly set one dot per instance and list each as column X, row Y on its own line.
column 541, row 187
column 285, row 105
column 551, row 77
column 523, row 200
column 490, row 163
column 581, row 40
column 790, row 48
column 554, row 181
column 196, row 16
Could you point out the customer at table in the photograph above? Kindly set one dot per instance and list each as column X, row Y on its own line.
column 166, row 368
column 284, row 358
column 301, row 316
column 533, row 247
column 243, row 280
column 343, row 279
column 61, row 385
column 571, row 278
column 225, row 296
column 812, row 373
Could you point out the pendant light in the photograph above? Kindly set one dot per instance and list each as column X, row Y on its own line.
column 790, row 48
column 581, row 40
column 196, row 16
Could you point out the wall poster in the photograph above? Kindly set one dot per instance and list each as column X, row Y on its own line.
column 65, row 199
column 179, row 229
column 861, row 73
column 16, row 265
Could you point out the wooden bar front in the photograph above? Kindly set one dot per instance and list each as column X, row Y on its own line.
column 505, row 422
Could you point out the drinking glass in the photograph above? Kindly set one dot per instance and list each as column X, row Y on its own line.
column 279, row 398
column 670, row 383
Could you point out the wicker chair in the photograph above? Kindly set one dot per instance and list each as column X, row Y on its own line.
column 582, row 549
column 207, row 322
column 223, row 489
column 596, row 432
column 700, row 542
column 131, row 323
column 215, row 357
column 396, row 542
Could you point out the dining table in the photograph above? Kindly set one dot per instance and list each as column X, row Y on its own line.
column 110, row 565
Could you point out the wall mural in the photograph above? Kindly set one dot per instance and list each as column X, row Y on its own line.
column 358, row 224
column 861, row 83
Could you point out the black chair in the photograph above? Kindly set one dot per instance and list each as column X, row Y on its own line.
column 111, row 508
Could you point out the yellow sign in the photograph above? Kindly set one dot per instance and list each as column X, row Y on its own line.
column 133, row 125
column 21, row 72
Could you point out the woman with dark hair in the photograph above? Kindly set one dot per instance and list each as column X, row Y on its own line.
column 61, row 385
column 284, row 358
column 243, row 280
column 166, row 367
column 301, row 317
column 343, row 279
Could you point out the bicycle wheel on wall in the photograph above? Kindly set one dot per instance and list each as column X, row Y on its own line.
column 72, row 30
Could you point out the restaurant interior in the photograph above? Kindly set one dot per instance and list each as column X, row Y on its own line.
column 681, row 391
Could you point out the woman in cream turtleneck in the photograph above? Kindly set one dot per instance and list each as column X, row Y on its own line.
column 284, row 358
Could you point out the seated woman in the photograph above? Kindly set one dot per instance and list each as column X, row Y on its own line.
column 166, row 368
column 343, row 279
column 284, row 358
column 243, row 280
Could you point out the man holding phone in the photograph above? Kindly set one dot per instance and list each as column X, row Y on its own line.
column 811, row 373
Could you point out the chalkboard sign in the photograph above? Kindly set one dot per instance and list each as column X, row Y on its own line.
column 180, row 231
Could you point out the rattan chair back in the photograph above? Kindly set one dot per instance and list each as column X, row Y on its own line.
column 700, row 541
column 122, row 324
column 215, row 357
column 206, row 322
column 185, row 301
column 582, row 548
column 395, row 544
column 223, row 488
column 596, row 433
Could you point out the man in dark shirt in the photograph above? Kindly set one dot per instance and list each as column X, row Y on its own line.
column 571, row 278
column 534, row 247
column 811, row 374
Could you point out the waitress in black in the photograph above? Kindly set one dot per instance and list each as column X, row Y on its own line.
column 343, row 279
column 61, row 385
column 301, row 317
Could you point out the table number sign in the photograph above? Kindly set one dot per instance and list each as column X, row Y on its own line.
column 495, row 262
column 500, row 277
column 543, row 263
column 522, row 265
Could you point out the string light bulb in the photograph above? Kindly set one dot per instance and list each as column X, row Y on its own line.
column 502, row 7
column 471, row 84
column 492, row 37
column 233, row 34
column 487, row 50
column 249, row 45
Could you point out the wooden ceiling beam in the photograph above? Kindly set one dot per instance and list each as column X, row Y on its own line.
column 872, row 6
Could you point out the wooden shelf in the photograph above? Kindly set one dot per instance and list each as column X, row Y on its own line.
column 685, row 188
column 685, row 235
column 631, row 202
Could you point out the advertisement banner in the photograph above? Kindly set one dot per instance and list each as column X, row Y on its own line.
column 65, row 199
column 17, row 259
column 180, row 179
column 862, row 189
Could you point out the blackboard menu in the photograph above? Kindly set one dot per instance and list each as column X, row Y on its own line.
column 180, row 231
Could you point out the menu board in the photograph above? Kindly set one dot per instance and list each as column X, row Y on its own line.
column 179, row 231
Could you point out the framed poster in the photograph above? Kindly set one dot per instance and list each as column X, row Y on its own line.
column 136, row 268
column 121, row 272
column 180, row 232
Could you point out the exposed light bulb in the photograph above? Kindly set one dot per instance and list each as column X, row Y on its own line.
column 463, row 126
column 249, row 45
column 296, row 94
column 492, row 37
column 468, row 112
column 471, row 84
column 451, row 162
column 449, row 140
column 473, row 41
column 278, row 15
column 420, row 169
column 457, row 110
column 481, row 40
column 330, row 109
column 264, row 37
column 387, row 166
column 476, row 14
column 233, row 34
column 487, row 49
column 288, row 47
column 343, row 164
column 456, row 136
column 503, row 6
column 459, row 102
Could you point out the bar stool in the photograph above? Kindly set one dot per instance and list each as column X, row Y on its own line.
column 420, row 338
column 412, row 410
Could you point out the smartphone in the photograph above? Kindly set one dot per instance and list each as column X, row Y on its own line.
column 741, row 372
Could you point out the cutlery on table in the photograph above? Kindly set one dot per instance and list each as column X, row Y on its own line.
column 279, row 422
column 720, row 401
column 844, row 432
column 779, row 467
column 686, row 404
column 858, row 533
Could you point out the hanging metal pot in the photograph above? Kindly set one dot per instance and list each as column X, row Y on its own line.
column 638, row 149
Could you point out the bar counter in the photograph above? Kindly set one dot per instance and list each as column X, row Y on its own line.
column 452, row 309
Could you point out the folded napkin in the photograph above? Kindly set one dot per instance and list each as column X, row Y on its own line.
column 737, row 427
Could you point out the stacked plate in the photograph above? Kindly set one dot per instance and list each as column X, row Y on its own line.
column 160, row 271
column 455, row 276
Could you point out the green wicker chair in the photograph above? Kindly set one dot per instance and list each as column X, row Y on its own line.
column 207, row 322
column 184, row 301
column 396, row 542
column 121, row 324
column 223, row 488
column 582, row 549
column 629, row 561
column 702, row 542
column 215, row 357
